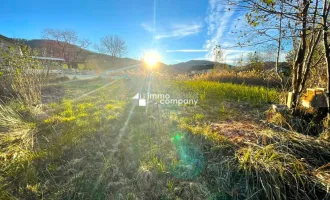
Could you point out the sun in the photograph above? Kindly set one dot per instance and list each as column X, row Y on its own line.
column 151, row 58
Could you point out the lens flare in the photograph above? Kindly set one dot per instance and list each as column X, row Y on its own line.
column 190, row 159
column 151, row 58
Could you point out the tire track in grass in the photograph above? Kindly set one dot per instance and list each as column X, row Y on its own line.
column 122, row 132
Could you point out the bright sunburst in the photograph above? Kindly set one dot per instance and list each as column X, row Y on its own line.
column 151, row 58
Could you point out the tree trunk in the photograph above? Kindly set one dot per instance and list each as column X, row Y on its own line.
column 279, row 41
column 326, row 50
column 298, row 65
column 297, row 74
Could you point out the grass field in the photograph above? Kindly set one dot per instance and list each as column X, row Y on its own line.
column 92, row 142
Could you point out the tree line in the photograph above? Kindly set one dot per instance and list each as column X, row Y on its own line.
column 70, row 46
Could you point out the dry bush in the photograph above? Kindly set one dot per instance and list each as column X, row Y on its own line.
column 27, row 86
column 9, row 118
column 325, row 135
column 22, row 76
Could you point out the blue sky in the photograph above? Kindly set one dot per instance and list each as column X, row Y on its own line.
column 185, row 29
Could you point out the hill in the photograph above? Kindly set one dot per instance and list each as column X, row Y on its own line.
column 50, row 48
column 106, row 62
column 195, row 65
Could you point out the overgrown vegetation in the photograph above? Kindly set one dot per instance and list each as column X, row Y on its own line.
column 99, row 146
column 21, row 76
column 220, row 91
column 254, row 78
column 87, row 139
column 249, row 161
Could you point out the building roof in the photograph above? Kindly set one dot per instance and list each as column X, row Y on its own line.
column 48, row 58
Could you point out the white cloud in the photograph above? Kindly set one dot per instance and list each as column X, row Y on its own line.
column 201, row 58
column 233, row 56
column 187, row 50
column 186, row 60
column 147, row 27
column 181, row 30
column 227, row 44
column 217, row 22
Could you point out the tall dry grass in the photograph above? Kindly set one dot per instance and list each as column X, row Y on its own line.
column 9, row 118
column 253, row 78
column 22, row 76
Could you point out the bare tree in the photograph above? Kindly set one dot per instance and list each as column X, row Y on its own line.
column 295, row 20
column 112, row 45
column 68, row 43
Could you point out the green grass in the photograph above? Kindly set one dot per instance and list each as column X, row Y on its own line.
column 35, row 152
column 247, row 163
column 209, row 91
column 88, row 149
